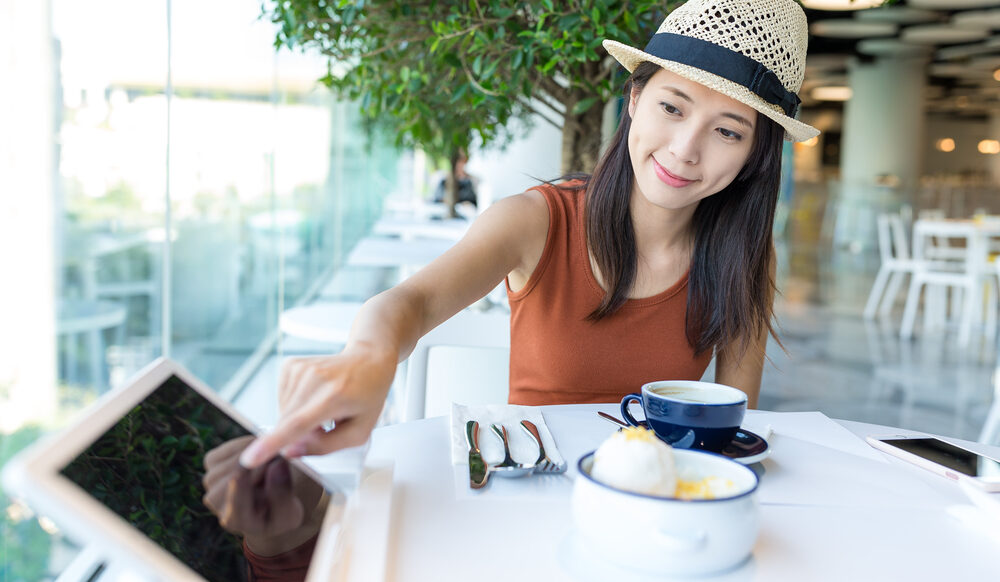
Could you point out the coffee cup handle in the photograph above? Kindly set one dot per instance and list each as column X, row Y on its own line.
column 625, row 412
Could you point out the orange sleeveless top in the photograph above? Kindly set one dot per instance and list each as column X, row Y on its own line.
column 557, row 356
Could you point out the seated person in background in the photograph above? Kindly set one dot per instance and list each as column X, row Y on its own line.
column 466, row 184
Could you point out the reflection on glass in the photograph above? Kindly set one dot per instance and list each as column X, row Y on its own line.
column 169, row 468
column 148, row 469
column 277, row 508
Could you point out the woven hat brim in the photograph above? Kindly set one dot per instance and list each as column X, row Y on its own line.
column 631, row 57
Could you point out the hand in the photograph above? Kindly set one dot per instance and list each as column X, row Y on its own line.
column 348, row 388
column 275, row 506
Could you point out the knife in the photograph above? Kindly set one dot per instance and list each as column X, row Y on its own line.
column 478, row 470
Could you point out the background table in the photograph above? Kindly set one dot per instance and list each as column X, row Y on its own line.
column 441, row 531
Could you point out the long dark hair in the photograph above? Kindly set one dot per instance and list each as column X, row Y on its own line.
column 729, row 285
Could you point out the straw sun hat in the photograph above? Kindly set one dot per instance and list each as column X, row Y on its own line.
column 751, row 50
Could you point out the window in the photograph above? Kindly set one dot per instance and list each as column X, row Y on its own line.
column 195, row 184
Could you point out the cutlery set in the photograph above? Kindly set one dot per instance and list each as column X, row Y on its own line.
column 480, row 470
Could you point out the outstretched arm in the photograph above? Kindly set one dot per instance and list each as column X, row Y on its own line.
column 349, row 388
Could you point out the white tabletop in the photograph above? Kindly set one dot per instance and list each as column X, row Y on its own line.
column 412, row 228
column 329, row 321
column 832, row 508
column 394, row 252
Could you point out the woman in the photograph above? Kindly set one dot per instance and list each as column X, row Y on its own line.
column 641, row 271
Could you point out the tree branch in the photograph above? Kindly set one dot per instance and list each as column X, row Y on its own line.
column 472, row 79
column 391, row 45
column 555, row 90
column 527, row 105
column 557, row 106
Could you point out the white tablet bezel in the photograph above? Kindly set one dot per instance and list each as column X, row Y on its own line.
column 34, row 476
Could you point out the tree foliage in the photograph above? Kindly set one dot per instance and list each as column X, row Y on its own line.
column 26, row 558
column 442, row 73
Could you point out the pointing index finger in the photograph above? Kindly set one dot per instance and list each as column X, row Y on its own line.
column 268, row 446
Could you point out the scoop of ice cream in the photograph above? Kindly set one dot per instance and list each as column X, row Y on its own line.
column 634, row 459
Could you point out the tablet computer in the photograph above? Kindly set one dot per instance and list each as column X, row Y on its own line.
column 126, row 477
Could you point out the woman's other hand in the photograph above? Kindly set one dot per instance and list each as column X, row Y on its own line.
column 275, row 506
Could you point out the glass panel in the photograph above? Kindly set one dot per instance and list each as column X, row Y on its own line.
column 269, row 181
column 111, row 164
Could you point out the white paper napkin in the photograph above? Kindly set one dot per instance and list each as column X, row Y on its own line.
column 523, row 448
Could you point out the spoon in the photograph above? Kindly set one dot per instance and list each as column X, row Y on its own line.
column 507, row 467
column 612, row 419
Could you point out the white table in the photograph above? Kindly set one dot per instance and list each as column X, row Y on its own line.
column 964, row 267
column 440, row 531
column 414, row 228
column 408, row 255
column 328, row 322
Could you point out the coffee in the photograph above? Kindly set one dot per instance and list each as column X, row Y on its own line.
column 702, row 395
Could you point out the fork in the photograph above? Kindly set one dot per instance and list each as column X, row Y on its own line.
column 544, row 464
column 507, row 467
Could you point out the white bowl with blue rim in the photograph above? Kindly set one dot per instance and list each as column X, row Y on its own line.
column 667, row 535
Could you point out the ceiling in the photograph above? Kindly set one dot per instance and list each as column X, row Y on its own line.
column 959, row 38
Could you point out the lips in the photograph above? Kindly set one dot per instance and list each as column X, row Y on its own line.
column 668, row 178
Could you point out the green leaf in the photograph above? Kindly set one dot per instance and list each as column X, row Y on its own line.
column 490, row 69
column 583, row 105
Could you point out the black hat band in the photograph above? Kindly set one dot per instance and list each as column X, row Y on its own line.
column 725, row 63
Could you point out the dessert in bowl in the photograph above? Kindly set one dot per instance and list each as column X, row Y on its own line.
column 642, row 505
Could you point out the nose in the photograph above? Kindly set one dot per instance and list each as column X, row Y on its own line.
column 685, row 145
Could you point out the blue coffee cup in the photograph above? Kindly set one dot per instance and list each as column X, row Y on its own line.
column 690, row 414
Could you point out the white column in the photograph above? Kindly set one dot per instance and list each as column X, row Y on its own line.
column 884, row 121
column 993, row 132
column 881, row 146
column 27, row 285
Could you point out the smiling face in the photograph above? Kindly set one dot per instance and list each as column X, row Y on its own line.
column 686, row 141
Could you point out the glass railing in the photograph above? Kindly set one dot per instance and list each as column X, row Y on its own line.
column 202, row 184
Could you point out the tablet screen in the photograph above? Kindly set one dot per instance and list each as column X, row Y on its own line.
column 148, row 469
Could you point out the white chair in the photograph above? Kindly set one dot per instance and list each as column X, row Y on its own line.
column 465, row 359
column 960, row 273
column 939, row 247
column 896, row 264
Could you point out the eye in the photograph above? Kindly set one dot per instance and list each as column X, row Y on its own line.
column 729, row 134
column 669, row 108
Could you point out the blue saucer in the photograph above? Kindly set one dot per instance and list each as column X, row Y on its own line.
column 747, row 448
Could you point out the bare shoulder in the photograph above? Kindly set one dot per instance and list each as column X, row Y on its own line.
column 518, row 218
column 522, row 221
column 528, row 206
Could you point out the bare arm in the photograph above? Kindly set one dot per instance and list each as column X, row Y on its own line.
column 350, row 387
column 744, row 370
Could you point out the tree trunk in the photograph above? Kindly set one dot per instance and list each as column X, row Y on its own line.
column 451, row 186
column 581, row 139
